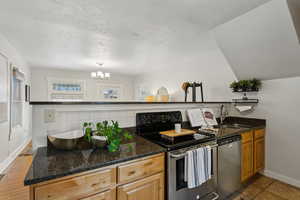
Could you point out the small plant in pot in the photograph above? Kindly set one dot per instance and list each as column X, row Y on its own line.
column 113, row 133
column 246, row 85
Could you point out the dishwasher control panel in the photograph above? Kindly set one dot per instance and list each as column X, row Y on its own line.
column 228, row 140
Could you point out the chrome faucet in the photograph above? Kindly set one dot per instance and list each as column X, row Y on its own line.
column 223, row 114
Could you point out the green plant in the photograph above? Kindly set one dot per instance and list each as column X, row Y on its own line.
column 245, row 85
column 255, row 84
column 88, row 129
column 234, row 86
column 115, row 135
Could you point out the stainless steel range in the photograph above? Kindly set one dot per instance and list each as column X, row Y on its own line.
column 149, row 125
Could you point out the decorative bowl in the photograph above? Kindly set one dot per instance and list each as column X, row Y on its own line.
column 66, row 140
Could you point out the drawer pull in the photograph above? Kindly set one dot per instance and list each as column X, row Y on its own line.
column 95, row 184
column 131, row 173
column 149, row 163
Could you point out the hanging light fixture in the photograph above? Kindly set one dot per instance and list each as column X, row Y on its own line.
column 99, row 74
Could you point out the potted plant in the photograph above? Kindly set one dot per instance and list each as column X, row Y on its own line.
column 246, row 85
column 113, row 133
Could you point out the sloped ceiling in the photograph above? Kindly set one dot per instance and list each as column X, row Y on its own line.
column 128, row 36
column 294, row 7
column 262, row 43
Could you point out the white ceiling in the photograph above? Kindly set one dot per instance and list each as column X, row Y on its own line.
column 262, row 43
column 127, row 36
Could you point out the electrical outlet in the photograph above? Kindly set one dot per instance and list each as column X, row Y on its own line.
column 49, row 115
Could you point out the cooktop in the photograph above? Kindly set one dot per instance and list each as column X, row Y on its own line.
column 178, row 142
column 149, row 125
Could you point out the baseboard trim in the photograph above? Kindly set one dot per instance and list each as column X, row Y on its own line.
column 4, row 165
column 282, row 178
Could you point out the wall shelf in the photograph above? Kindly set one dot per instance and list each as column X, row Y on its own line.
column 245, row 100
column 125, row 102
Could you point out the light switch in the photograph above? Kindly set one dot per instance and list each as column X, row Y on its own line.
column 49, row 115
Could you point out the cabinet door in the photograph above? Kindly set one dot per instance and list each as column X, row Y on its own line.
column 247, row 160
column 107, row 195
column 259, row 154
column 150, row 188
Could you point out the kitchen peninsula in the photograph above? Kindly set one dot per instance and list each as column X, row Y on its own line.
column 99, row 174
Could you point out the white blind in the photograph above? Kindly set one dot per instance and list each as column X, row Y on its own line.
column 17, row 100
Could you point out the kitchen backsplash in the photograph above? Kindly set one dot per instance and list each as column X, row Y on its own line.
column 72, row 117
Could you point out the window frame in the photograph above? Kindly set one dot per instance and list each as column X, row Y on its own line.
column 51, row 91
column 15, row 129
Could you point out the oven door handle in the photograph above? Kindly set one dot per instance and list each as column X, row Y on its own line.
column 183, row 154
column 178, row 155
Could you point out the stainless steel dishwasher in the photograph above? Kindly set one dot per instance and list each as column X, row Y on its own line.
column 229, row 166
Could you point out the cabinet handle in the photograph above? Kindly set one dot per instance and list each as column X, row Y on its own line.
column 149, row 163
column 131, row 173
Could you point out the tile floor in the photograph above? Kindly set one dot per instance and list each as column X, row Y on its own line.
column 264, row 188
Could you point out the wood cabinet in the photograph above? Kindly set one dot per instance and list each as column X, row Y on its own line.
column 247, row 155
column 259, row 152
column 151, row 188
column 137, row 179
column 253, row 153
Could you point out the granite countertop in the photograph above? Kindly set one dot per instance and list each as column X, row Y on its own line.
column 49, row 163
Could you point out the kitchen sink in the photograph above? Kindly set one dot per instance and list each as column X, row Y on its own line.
column 233, row 126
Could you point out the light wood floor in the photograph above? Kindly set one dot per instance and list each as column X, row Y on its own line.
column 260, row 188
column 11, row 185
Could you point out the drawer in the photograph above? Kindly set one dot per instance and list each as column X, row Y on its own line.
column 140, row 169
column 259, row 133
column 107, row 195
column 77, row 187
column 247, row 137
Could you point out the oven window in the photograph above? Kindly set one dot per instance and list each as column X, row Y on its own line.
column 180, row 183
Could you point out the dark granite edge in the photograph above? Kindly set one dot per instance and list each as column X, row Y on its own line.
column 123, row 102
column 101, row 165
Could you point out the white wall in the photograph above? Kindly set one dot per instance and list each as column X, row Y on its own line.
column 40, row 84
column 200, row 60
column 280, row 106
column 8, row 149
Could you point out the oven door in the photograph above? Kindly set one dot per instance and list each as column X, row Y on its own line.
column 177, row 187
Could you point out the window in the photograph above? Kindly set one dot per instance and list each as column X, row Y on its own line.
column 110, row 91
column 65, row 89
column 17, row 98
